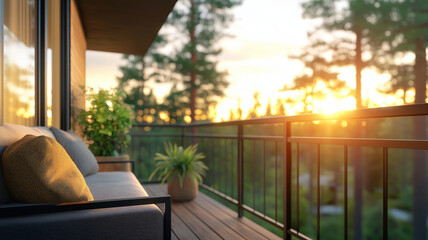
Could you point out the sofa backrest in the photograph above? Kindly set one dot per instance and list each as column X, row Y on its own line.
column 10, row 133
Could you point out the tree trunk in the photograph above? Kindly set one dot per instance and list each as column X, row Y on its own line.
column 419, row 159
column 143, row 70
column 194, row 61
column 420, row 69
column 358, row 164
column 358, row 68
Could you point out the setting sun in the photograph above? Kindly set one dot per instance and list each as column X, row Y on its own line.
column 331, row 102
column 332, row 105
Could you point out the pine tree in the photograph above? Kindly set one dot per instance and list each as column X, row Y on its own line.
column 404, row 30
column 317, row 69
column 407, row 32
column 268, row 109
column 190, row 65
column 279, row 107
column 410, row 33
column 253, row 111
column 174, row 105
column 350, row 23
column 202, row 24
column 135, row 78
column 239, row 109
column 138, row 94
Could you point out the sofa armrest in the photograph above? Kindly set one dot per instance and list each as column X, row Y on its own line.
column 16, row 211
column 132, row 162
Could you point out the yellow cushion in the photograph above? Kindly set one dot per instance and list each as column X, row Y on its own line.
column 39, row 170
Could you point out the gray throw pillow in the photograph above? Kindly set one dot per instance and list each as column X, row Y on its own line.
column 4, row 192
column 77, row 150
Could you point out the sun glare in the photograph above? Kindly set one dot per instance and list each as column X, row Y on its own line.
column 331, row 101
column 333, row 105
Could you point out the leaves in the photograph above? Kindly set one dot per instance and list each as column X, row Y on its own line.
column 179, row 162
column 107, row 122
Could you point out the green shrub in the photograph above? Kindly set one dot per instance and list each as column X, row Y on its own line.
column 107, row 122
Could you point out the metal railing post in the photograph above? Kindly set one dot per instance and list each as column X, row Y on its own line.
column 240, row 171
column 385, row 193
column 287, row 180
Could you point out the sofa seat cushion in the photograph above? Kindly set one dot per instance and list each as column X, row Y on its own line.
column 131, row 222
column 114, row 185
column 77, row 150
column 39, row 170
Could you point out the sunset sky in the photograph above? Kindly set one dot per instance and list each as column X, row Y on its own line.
column 265, row 34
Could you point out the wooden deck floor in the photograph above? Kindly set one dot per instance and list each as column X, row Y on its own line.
column 205, row 218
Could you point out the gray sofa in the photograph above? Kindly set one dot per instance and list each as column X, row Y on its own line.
column 121, row 208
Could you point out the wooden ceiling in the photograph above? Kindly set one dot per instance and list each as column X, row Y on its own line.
column 123, row 26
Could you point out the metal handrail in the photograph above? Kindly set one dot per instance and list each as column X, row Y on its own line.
column 286, row 140
column 366, row 113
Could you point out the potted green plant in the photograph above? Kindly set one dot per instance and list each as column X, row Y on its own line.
column 105, row 125
column 182, row 169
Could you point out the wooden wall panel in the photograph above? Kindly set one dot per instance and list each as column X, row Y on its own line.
column 78, row 46
column 54, row 78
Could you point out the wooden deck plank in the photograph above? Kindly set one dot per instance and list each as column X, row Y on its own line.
column 179, row 229
column 214, row 223
column 198, row 227
column 173, row 236
column 201, row 230
column 205, row 218
column 231, row 220
column 246, row 222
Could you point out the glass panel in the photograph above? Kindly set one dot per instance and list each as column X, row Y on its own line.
column 53, row 63
column 19, row 62
column 365, row 193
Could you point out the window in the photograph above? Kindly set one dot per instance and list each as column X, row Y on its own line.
column 18, row 62
column 19, row 38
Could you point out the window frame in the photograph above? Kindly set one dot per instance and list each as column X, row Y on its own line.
column 41, row 63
